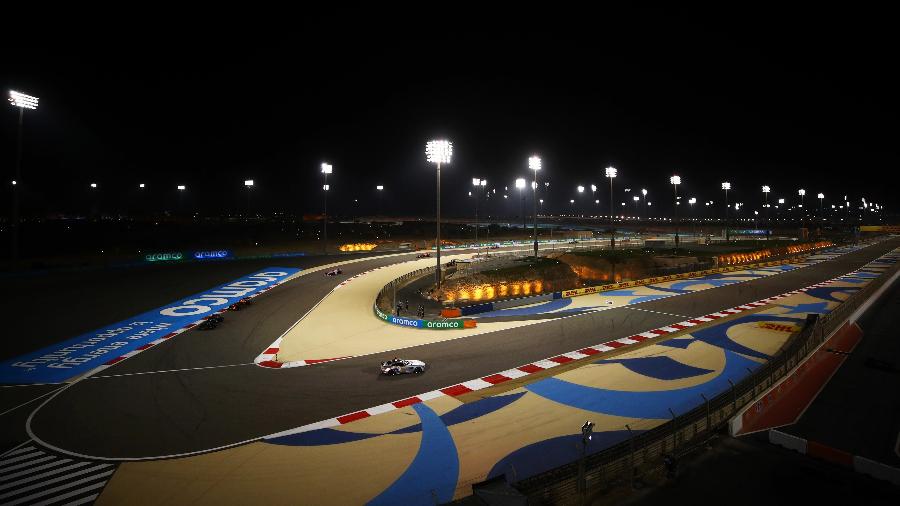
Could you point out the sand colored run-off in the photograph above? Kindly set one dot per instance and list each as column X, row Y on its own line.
column 343, row 324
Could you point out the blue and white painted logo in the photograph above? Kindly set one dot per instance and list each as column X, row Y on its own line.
column 79, row 355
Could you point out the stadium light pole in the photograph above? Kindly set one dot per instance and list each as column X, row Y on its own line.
column 476, row 182
column 380, row 189
column 766, row 191
column 520, row 184
column 726, row 186
column 611, row 174
column 438, row 152
column 22, row 101
column 325, row 168
column 692, row 201
column 580, row 190
column 593, row 196
column 676, row 180
column 821, row 197
column 644, row 193
column 534, row 163
column 249, row 185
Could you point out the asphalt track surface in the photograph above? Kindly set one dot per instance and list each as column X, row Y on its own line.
column 859, row 395
column 132, row 411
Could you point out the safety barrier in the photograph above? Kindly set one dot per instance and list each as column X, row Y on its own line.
column 643, row 452
column 449, row 324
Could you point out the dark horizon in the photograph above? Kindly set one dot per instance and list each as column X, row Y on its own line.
column 794, row 100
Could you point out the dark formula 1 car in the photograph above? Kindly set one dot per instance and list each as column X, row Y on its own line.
column 241, row 304
column 334, row 272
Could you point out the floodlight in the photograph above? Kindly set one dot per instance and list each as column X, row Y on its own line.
column 636, row 198
column 438, row 151
column 766, row 189
column 476, row 181
column 248, row 183
column 593, row 187
column 726, row 185
column 326, row 168
column 801, row 192
column 534, row 163
column 484, row 182
column 181, row 187
column 580, row 189
column 520, row 183
column 141, row 185
column 692, row 201
column 611, row 172
column 22, row 100
column 781, row 201
column 93, row 185
column 821, row 195
column 644, row 191
column 676, row 180
column 326, row 187
column 379, row 187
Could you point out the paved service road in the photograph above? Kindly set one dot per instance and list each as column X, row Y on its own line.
column 168, row 413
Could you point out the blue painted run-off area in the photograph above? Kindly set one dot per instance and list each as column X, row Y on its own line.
column 79, row 355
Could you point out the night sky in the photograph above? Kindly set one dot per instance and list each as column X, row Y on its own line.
column 789, row 99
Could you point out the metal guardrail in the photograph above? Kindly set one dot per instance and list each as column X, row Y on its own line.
column 643, row 451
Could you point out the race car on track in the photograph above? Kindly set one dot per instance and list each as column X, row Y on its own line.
column 241, row 304
column 215, row 318
column 399, row 366
column 334, row 272
column 208, row 325
column 423, row 255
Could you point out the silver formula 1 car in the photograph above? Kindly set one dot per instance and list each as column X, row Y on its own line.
column 399, row 366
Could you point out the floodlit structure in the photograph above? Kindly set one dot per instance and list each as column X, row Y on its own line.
column 22, row 101
column 438, row 152
column 476, row 182
column 726, row 186
column 325, row 169
column 534, row 163
column 611, row 173
column 675, row 181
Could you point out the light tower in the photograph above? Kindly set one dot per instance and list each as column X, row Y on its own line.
column 380, row 189
column 248, row 184
column 676, row 180
column 438, row 152
column 611, row 174
column 726, row 186
column 326, row 169
column 22, row 101
column 534, row 163
column 476, row 182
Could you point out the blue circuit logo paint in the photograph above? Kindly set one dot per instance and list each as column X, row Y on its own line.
column 79, row 355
